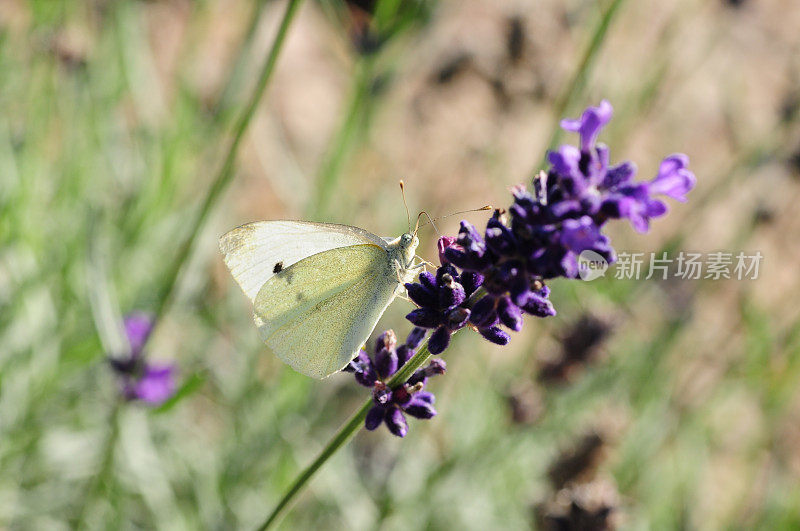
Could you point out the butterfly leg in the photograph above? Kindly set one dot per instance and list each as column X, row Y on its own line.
column 397, row 273
column 423, row 263
column 401, row 296
column 402, row 293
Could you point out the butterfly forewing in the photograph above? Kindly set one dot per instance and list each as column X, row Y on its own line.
column 317, row 313
column 257, row 251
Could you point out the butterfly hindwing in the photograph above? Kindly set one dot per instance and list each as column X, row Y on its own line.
column 316, row 313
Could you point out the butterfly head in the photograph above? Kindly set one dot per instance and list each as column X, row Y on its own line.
column 405, row 248
column 409, row 242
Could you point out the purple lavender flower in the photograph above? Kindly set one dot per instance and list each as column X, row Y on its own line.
column 674, row 179
column 540, row 237
column 440, row 298
column 509, row 274
column 584, row 184
column 391, row 405
column 590, row 123
column 488, row 280
column 140, row 379
column 442, row 245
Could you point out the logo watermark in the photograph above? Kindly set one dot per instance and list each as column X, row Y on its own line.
column 591, row 265
column 685, row 265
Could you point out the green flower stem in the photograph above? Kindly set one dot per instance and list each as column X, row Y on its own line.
column 226, row 172
column 344, row 434
column 352, row 426
column 581, row 74
column 345, row 139
column 100, row 480
column 389, row 19
column 234, row 79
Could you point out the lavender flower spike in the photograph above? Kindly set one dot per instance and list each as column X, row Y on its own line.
column 391, row 405
column 541, row 236
column 488, row 280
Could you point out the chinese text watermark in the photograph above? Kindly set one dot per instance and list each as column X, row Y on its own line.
column 685, row 265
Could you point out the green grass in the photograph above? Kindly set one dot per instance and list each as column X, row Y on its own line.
column 111, row 168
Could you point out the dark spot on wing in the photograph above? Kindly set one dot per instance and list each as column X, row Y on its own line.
column 300, row 297
column 278, row 267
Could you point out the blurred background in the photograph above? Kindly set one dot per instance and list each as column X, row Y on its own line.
column 641, row 405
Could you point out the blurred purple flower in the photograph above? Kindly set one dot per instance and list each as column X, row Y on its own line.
column 138, row 327
column 579, row 234
column 152, row 383
column 443, row 243
column 582, row 184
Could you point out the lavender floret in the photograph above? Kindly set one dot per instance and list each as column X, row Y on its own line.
column 391, row 405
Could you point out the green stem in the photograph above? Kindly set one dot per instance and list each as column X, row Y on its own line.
column 342, row 144
column 342, row 436
column 388, row 20
column 232, row 85
column 97, row 481
column 579, row 77
column 352, row 426
column 225, row 174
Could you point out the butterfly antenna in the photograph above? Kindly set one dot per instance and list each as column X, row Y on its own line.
column 481, row 209
column 417, row 226
column 408, row 214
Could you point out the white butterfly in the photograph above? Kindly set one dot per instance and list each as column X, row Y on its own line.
column 318, row 289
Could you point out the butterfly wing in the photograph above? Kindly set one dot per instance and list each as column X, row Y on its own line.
column 256, row 251
column 316, row 314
